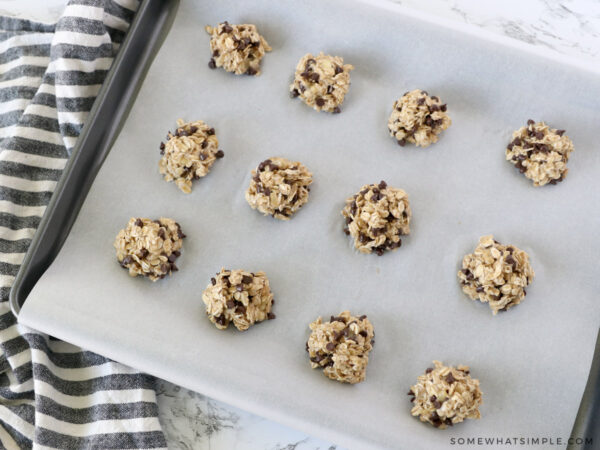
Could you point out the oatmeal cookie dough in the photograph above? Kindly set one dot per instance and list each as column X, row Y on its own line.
column 497, row 274
column 445, row 395
column 279, row 187
column 149, row 247
column 239, row 297
column 376, row 217
column 540, row 153
column 321, row 81
column 418, row 118
column 341, row 347
column 236, row 48
column 189, row 153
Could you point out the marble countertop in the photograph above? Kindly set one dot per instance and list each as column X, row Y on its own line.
column 567, row 27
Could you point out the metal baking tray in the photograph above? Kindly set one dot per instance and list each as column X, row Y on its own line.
column 108, row 115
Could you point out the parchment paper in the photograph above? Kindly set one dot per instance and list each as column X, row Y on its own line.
column 532, row 361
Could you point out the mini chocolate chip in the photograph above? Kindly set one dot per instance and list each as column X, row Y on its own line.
column 212, row 64
column 143, row 253
column 193, row 129
column 180, row 234
column 172, row 257
column 444, row 107
column 230, row 304
column 329, row 89
column 267, row 191
column 421, row 101
column 177, row 253
column 429, row 370
column 435, row 98
column 479, row 289
column 449, row 378
column 271, row 316
column 162, row 146
column 294, row 93
column 210, row 131
column 539, row 135
column 319, row 101
column 251, row 71
column 161, row 233
column 402, row 142
column 246, row 279
column 314, row 77
column 164, row 268
column 139, row 223
column 202, row 156
column 336, row 110
column 530, row 122
column 330, row 346
column 449, row 422
column 213, row 281
column 226, row 28
column 338, row 69
column 363, row 317
column 216, row 53
column 219, row 154
column 560, row 132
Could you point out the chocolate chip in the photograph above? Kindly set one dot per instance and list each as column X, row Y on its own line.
column 530, row 122
column 219, row 154
column 139, row 223
column 429, row 370
column 330, row 346
column 449, row 422
column 421, row 101
column 161, row 233
column 294, row 93
column 435, row 98
column 267, row 191
column 314, row 77
column 213, row 281
column 143, row 253
column 402, row 142
column 246, row 279
column 251, row 71
column 180, row 234
column 336, row 110
column 210, row 131
column 271, row 316
column 226, row 28
column 127, row 260
column 216, row 53
column 444, row 107
column 539, row 135
column 221, row 320
column 212, row 64
column 338, row 69
column 230, row 304
column 172, row 257
column 560, row 132
column 319, row 101
column 162, row 147
column 449, row 378
column 164, row 268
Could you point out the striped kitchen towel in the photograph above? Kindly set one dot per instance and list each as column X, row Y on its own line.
column 53, row 394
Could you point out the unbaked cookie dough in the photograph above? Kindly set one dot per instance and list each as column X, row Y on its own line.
column 418, row 118
column 497, row 274
column 149, row 247
column 279, row 187
column 189, row 153
column 445, row 395
column 237, row 48
column 322, row 81
column 239, row 297
column 341, row 347
column 376, row 217
column 540, row 153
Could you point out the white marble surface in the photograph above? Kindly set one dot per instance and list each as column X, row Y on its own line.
column 567, row 27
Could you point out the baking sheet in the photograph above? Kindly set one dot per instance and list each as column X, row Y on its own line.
column 532, row 361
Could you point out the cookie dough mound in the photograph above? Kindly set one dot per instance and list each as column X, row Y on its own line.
column 445, row 395
column 497, row 274
column 237, row 48
column 540, row 153
column 321, row 81
column 341, row 347
column 237, row 296
column 418, row 118
column 189, row 153
column 376, row 217
column 149, row 247
column 279, row 187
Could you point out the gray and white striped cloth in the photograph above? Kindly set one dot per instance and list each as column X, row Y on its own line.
column 53, row 394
